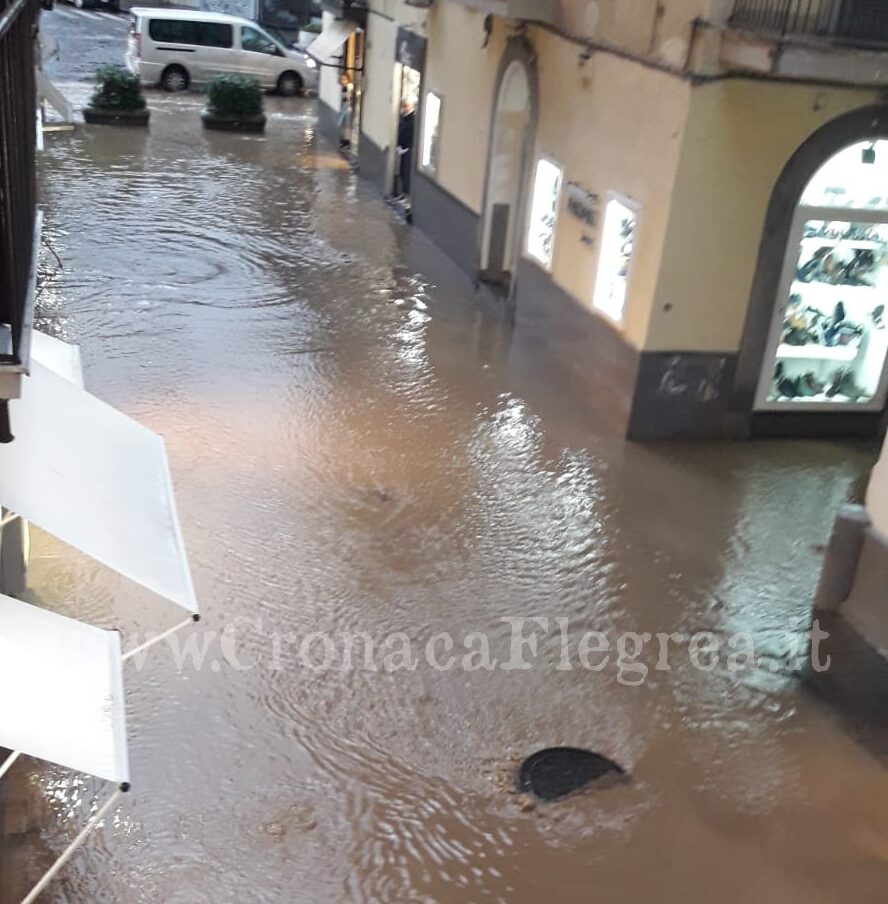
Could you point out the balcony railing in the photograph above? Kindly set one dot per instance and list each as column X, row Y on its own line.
column 18, row 190
column 858, row 22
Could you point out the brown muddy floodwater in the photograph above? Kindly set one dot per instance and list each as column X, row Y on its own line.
column 356, row 448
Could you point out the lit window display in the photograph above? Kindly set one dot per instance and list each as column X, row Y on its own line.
column 430, row 126
column 544, row 211
column 856, row 177
column 829, row 343
column 615, row 259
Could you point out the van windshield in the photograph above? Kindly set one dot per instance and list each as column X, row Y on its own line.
column 277, row 35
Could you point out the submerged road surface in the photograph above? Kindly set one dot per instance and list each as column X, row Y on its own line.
column 358, row 451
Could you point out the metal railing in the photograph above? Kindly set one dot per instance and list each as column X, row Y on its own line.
column 18, row 188
column 857, row 22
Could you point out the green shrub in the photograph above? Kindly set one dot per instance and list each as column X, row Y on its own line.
column 234, row 95
column 312, row 28
column 117, row 89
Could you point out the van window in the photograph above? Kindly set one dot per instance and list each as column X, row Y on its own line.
column 254, row 40
column 183, row 31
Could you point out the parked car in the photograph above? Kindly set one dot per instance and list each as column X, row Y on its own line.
column 177, row 48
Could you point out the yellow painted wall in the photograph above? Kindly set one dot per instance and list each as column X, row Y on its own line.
column 658, row 28
column 378, row 80
column 464, row 75
column 739, row 137
column 614, row 126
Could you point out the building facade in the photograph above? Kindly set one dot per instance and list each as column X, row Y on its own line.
column 685, row 201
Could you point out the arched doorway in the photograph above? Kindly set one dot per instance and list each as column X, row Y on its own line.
column 828, row 340
column 512, row 131
column 768, row 295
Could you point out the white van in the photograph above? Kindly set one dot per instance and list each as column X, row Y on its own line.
column 180, row 47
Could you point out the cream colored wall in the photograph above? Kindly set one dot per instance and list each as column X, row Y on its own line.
column 328, row 85
column 739, row 137
column 661, row 29
column 614, row 126
column 464, row 75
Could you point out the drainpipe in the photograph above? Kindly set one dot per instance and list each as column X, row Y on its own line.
column 659, row 9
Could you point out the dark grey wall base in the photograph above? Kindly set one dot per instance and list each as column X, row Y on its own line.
column 447, row 222
column 581, row 350
column 373, row 164
column 691, row 395
column 681, row 394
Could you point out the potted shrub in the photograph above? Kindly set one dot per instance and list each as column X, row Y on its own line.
column 117, row 100
column 234, row 103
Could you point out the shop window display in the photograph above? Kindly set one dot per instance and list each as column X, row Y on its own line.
column 615, row 259
column 544, row 211
column 829, row 342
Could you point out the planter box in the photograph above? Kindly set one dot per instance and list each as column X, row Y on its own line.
column 233, row 123
column 105, row 117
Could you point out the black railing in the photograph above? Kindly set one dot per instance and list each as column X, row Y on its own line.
column 861, row 22
column 18, row 189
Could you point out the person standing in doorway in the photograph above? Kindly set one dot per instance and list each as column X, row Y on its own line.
column 346, row 103
column 406, row 134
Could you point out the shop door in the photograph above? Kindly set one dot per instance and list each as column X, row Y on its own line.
column 507, row 177
column 828, row 340
column 409, row 82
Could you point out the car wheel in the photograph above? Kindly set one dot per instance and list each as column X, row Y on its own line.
column 289, row 84
column 174, row 78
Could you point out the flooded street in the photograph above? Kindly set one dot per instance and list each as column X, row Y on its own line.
column 357, row 447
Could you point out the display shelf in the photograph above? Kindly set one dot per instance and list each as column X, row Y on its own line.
column 825, row 242
column 813, row 352
column 836, row 292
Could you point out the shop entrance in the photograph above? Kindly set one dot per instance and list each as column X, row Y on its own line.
column 828, row 340
column 351, row 85
column 408, row 82
column 507, row 177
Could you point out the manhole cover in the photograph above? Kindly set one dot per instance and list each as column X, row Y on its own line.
column 556, row 771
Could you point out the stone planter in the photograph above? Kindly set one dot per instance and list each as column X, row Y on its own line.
column 233, row 123
column 106, row 117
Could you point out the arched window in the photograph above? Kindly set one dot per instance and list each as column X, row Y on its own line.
column 829, row 337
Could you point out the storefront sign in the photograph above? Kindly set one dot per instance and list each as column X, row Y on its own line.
column 410, row 49
column 582, row 204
